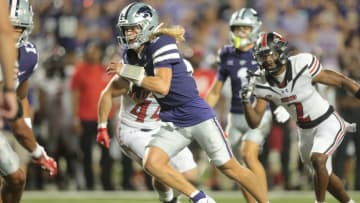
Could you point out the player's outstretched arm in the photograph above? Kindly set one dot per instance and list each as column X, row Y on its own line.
column 333, row 78
column 25, row 136
column 8, row 52
column 21, row 125
column 254, row 113
column 8, row 55
column 214, row 93
column 116, row 87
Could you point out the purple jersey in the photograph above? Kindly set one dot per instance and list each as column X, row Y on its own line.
column 182, row 106
column 234, row 63
column 27, row 61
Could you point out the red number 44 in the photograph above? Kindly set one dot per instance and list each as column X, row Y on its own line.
column 140, row 111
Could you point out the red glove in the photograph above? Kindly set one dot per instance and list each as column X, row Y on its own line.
column 44, row 161
column 103, row 137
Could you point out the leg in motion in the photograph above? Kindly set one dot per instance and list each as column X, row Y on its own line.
column 320, row 176
column 156, row 162
column 245, row 178
column 250, row 154
column 13, row 187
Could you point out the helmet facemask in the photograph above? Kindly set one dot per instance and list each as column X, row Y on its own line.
column 21, row 16
column 137, row 15
column 246, row 17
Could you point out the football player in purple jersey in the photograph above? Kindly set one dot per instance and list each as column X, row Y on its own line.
column 234, row 62
column 288, row 81
column 185, row 116
column 21, row 19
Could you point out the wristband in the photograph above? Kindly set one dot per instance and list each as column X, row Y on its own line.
column 28, row 122
column 138, row 82
column 102, row 125
column 37, row 152
column 357, row 94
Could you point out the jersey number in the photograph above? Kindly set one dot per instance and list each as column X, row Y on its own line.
column 30, row 48
column 300, row 113
column 139, row 111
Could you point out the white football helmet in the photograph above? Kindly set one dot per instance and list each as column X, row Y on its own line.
column 21, row 15
column 245, row 17
column 137, row 14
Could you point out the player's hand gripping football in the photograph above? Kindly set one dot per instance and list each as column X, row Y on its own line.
column 103, row 137
column 45, row 162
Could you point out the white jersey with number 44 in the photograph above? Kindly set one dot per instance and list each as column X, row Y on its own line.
column 142, row 116
column 298, row 95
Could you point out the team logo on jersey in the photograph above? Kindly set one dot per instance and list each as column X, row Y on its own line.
column 230, row 62
column 242, row 62
column 253, row 62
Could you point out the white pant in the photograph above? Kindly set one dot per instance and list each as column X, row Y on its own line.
column 208, row 134
column 239, row 130
column 9, row 160
column 323, row 138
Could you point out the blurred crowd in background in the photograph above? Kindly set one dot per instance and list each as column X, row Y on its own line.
column 66, row 31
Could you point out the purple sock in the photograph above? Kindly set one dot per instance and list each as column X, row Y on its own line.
column 198, row 196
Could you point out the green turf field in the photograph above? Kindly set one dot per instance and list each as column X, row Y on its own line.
column 149, row 197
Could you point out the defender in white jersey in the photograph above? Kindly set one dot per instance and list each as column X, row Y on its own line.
column 288, row 81
column 138, row 122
